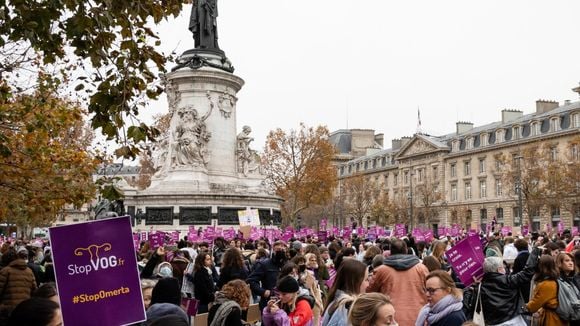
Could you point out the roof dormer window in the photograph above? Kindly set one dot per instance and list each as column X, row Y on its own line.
column 455, row 146
column 516, row 132
column 484, row 140
column 555, row 124
column 535, row 128
column 469, row 143
column 576, row 120
column 500, row 136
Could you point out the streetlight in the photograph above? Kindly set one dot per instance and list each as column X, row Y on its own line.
column 411, row 200
column 519, row 190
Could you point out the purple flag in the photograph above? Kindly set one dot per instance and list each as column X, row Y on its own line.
column 96, row 273
column 525, row 230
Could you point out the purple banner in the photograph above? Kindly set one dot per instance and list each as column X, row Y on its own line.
column 560, row 227
column 96, row 273
column 322, row 236
column 464, row 259
column 574, row 230
column 506, row 230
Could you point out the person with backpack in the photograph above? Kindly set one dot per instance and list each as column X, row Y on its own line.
column 229, row 305
column 568, row 289
column 289, row 308
column 351, row 280
column 545, row 295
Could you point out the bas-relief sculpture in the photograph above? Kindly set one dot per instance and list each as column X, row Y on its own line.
column 190, row 138
column 419, row 146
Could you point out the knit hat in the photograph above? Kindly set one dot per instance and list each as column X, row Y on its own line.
column 297, row 245
column 166, row 291
column 159, row 310
column 288, row 285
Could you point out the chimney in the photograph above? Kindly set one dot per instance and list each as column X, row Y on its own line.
column 396, row 144
column 568, row 102
column 510, row 115
column 379, row 138
column 405, row 140
column 543, row 106
column 463, row 126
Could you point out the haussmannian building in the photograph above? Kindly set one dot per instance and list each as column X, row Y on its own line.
column 462, row 164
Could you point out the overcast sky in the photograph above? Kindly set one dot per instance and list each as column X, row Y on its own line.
column 371, row 63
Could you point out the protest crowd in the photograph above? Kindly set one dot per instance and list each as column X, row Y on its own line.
column 352, row 276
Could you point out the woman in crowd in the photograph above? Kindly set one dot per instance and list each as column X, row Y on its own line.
column 147, row 291
column 310, row 282
column 36, row 311
column 230, row 301
column 567, row 267
column 351, row 280
column 203, row 285
column 289, row 308
column 346, row 252
column 372, row 309
column 444, row 302
column 233, row 267
column 546, row 293
column 370, row 254
column 439, row 248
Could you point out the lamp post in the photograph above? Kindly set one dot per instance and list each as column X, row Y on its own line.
column 519, row 190
column 411, row 199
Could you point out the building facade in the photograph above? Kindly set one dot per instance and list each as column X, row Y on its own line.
column 465, row 170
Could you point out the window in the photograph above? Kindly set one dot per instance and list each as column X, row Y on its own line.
column 484, row 140
column 498, row 188
column 395, row 179
column 555, row 214
column 469, row 143
column 497, row 165
column 349, row 169
column 420, row 173
column 516, row 131
column 535, row 128
column 435, row 173
column 553, row 153
column 499, row 136
column 554, row 124
column 483, row 214
column 406, row 177
column 482, row 189
column 467, row 191
column 453, row 170
column 516, row 215
column 455, row 146
column 454, row 192
column 384, row 161
column 481, row 165
column 366, row 165
column 576, row 120
column 467, row 168
column 574, row 152
column 386, row 179
column 341, row 170
column 499, row 215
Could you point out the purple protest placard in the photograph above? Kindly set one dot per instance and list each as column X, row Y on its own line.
column 574, row 230
column 96, row 273
column 465, row 261
column 525, row 230
column 560, row 227
column 506, row 230
column 322, row 236
column 400, row 230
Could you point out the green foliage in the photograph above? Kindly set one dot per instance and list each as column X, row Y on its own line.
column 106, row 48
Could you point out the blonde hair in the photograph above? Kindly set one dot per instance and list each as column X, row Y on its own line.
column 365, row 308
column 446, row 282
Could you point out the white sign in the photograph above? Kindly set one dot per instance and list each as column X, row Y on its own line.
column 249, row 217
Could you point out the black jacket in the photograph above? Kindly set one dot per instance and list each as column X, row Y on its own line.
column 499, row 292
column 519, row 264
column 263, row 277
column 234, row 318
column 203, row 287
column 231, row 273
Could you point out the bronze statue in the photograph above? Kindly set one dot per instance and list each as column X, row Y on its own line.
column 203, row 24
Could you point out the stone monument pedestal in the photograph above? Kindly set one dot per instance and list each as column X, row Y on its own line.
column 206, row 171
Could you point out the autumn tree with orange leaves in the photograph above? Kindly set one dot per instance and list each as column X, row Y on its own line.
column 44, row 161
column 298, row 168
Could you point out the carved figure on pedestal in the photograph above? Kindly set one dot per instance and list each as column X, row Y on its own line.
column 226, row 104
column 173, row 94
column 203, row 24
column 190, row 139
column 248, row 159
